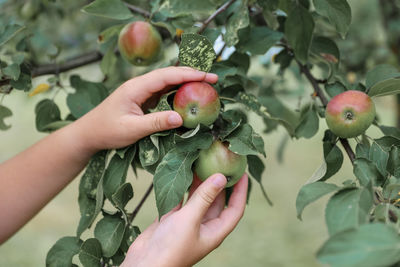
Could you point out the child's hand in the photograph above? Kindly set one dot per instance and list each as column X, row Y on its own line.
column 185, row 235
column 119, row 120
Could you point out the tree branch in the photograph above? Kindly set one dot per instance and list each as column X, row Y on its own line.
column 304, row 69
column 318, row 91
column 70, row 64
column 136, row 210
column 216, row 13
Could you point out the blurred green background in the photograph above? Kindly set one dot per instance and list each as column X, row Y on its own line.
column 266, row 236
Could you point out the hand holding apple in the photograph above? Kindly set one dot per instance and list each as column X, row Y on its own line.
column 350, row 113
column 187, row 233
column 219, row 159
column 197, row 102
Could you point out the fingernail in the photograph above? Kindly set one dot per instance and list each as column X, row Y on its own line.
column 219, row 180
column 212, row 76
column 174, row 119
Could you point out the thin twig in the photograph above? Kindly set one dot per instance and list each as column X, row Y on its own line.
column 317, row 89
column 221, row 51
column 216, row 13
column 138, row 10
column 136, row 210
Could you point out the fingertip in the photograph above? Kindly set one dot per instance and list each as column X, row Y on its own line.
column 211, row 77
column 218, row 180
column 174, row 119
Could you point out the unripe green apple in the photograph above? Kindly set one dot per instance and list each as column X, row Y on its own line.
column 139, row 43
column 219, row 159
column 197, row 103
column 350, row 113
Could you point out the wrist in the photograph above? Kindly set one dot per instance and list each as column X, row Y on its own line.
column 78, row 138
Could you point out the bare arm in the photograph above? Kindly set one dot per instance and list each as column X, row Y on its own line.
column 29, row 180
column 32, row 178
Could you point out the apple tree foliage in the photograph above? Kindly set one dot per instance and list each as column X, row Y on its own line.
column 314, row 45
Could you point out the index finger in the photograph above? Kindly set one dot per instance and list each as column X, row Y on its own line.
column 155, row 81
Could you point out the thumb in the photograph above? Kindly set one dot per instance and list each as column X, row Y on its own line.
column 157, row 122
column 204, row 196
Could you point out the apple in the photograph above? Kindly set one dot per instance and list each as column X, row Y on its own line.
column 219, row 159
column 350, row 113
column 197, row 103
column 139, row 43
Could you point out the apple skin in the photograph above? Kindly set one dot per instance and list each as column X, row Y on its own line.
column 197, row 102
column 139, row 43
column 219, row 159
column 350, row 113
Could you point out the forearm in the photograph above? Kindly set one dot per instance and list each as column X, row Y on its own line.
column 31, row 179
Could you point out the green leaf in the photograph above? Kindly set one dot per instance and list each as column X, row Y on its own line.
column 24, row 81
column 4, row 113
column 113, row 9
column 88, row 190
column 338, row 13
column 149, row 151
column 258, row 40
column 299, row 27
column 229, row 121
column 9, row 32
column 309, row 124
column 90, row 253
column 256, row 168
column 109, row 61
column 110, row 231
column 394, row 160
column 12, row 71
column 390, row 131
column 347, row 209
column 310, row 193
column 109, row 33
column 46, row 112
column 62, row 252
column 385, row 87
column 244, row 141
column 197, row 139
column 386, row 142
column 326, row 48
column 365, row 171
column 362, row 151
column 122, row 196
column 380, row 73
column 368, row 246
column 87, row 96
column 115, row 174
column 176, row 8
column 379, row 157
column 172, row 178
column 333, row 89
column 196, row 51
column 162, row 104
column 333, row 158
column 238, row 20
